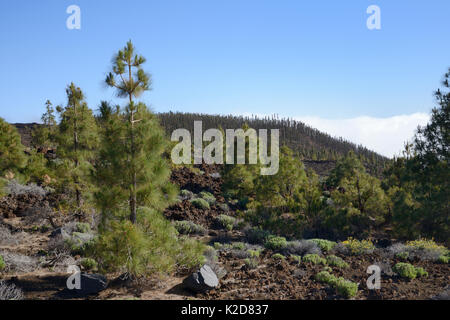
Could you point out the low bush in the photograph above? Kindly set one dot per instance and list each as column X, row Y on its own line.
column 357, row 247
column 150, row 246
column 14, row 262
column 296, row 258
column 406, row 270
column 16, row 189
column 2, row 263
column 278, row 256
column 421, row 272
column 275, row 243
column 324, row 245
column 83, row 227
column 10, row 291
column 343, row 287
column 238, row 245
column 426, row 244
column 314, row 259
column 254, row 253
column 208, row 197
column 302, row 247
column 89, row 264
column 443, row 259
column 226, row 222
column 186, row 194
column 200, row 203
column 346, row 288
column 189, row 227
column 336, row 261
column 251, row 263
column 402, row 255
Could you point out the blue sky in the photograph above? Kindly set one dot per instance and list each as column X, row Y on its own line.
column 312, row 60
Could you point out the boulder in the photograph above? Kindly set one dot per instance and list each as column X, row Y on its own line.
column 202, row 280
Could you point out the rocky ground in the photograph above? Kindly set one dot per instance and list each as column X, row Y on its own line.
column 30, row 227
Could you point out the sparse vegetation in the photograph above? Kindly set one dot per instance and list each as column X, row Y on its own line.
column 314, row 259
column 208, row 197
column 200, row 203
column 275, row 243
column 406, row 270
column 343, row 287
column 10, row 291
column 278, row 256
column 324, row 245
column 356, row 246
column 335, row 261
column 189, row 227
column 226, row 222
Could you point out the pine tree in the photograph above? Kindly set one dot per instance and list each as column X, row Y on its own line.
column 131, row 165
column 359, row 202
column 43, row 135
column 77, row 142
column 418, row 183
column 12, row 156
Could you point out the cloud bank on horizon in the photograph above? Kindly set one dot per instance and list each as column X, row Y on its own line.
column 387, row 136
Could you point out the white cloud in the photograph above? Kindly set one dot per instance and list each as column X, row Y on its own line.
column 383, row 135
column 387, row 136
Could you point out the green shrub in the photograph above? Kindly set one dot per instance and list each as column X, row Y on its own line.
column 402, row 255
column 357, row 247
column 89, row 264
column 405, row 270
column 314, row 259
column 327, row 268
column 346, row 288
column 324, row 245
column 186, row 194
column 200, row 203
column 443, row 259
column 189, row 227
column 79, row 243
column 251, row 263
column 226, row 222
column 296, row 258
column 335, row 261
column 254, row 253
column 343, row 287
column 278, row 256
column 208, row 197
column 238, row 245
column 217, row 245
column 325, row 277
column 421, row 272
column 426, row 245
column 150, row 246
column 2, row 263
column 83, row 227
column 275, row 243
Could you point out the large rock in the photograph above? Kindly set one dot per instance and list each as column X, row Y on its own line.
column 90, row 284
column 202, row 280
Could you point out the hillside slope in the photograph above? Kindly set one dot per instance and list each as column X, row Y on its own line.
column 319, row 150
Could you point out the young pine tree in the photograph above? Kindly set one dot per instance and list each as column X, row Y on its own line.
column 77, row 141
column 12, row 156
column 131, row 166
column 44, row 135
